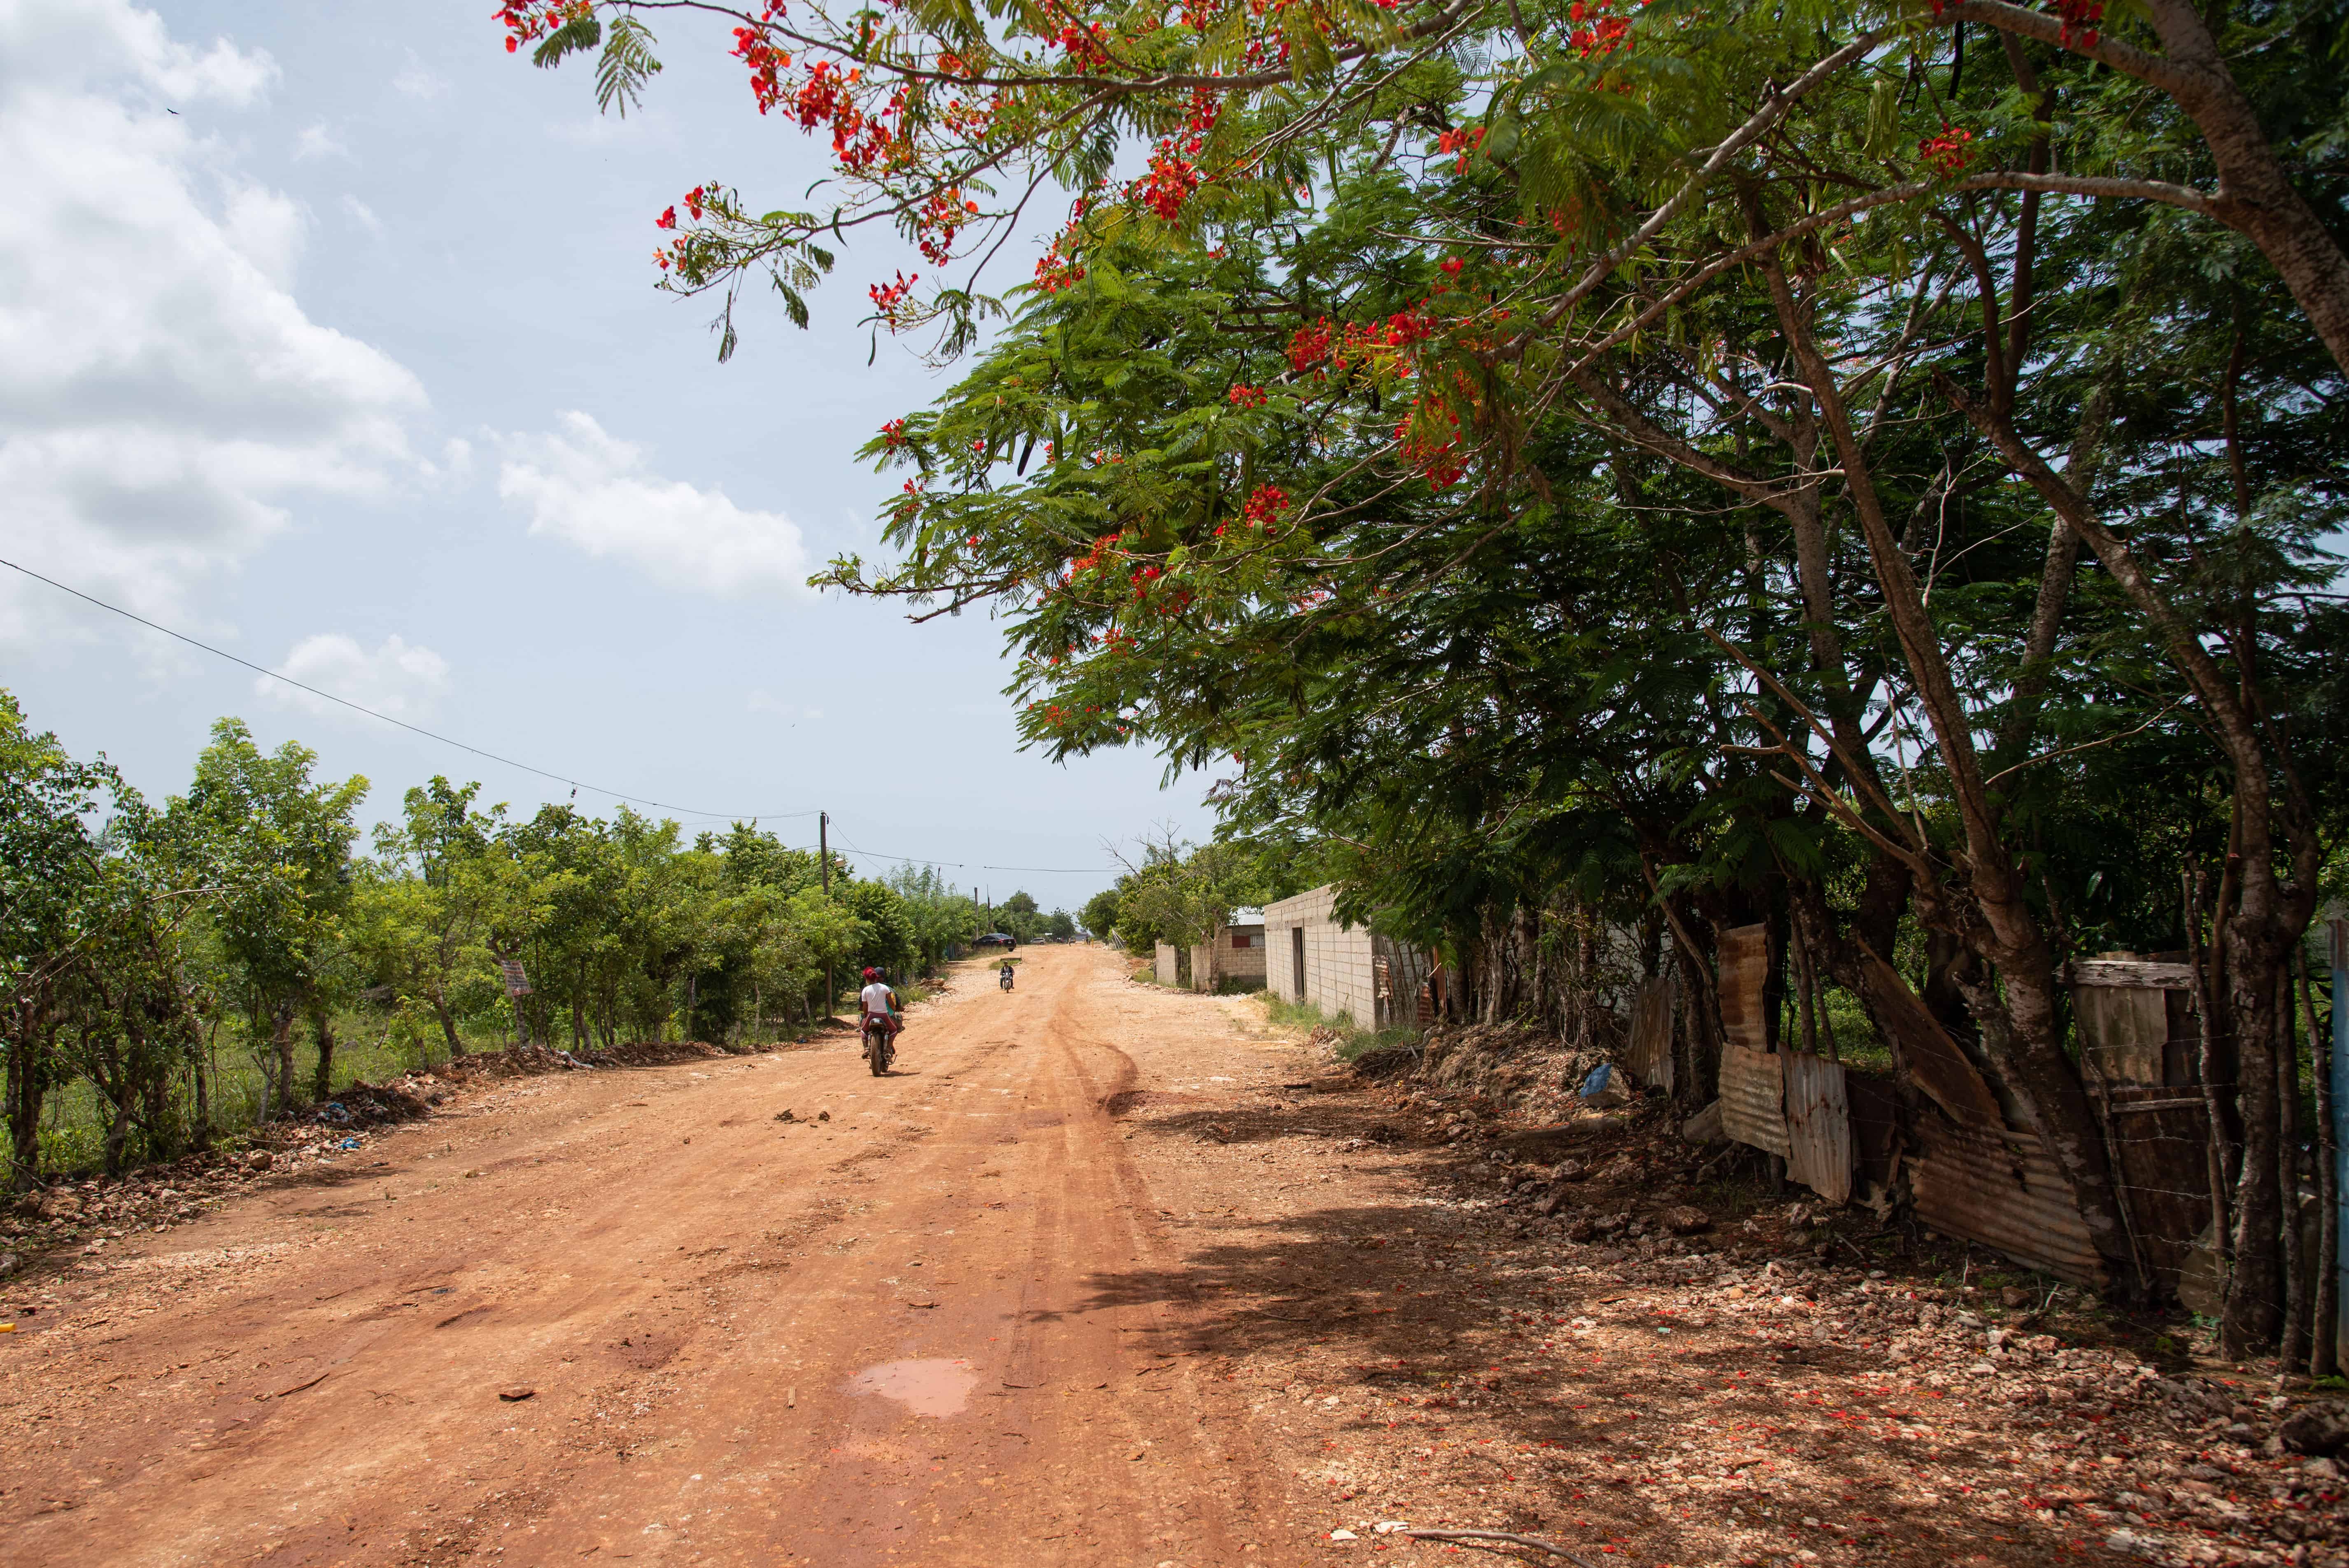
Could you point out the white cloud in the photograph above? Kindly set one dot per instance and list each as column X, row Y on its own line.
column 164, row 400
column 584, row 487
column 417, row 81
column 362, row 214
column 400, row 679
column 318, row 141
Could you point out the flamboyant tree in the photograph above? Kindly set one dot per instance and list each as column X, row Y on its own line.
column 1722, row 434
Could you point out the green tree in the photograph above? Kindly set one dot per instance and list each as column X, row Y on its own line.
column 284, row 842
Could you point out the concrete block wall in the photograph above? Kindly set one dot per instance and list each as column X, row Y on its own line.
column 1217, row 960
column 1340, row 969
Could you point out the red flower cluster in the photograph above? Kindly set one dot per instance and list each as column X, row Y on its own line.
column 1595, row 31
column 1310, row 346
column 1452, row 265
column 940, row 220
column 1947, row 153
column 1441, row 461
column 1087, row 47
column 1168, row 184
column 893, row 434
column 2080, row 19
column 1102, row 546
column 527, row 21
column 1462, row 141
column 1265, row 505
column 767, row 65
column 668, row 219
column 1206, row 108
column 1142, row 581
column 888, row 297
column 1055, row 271
column 1245, row 396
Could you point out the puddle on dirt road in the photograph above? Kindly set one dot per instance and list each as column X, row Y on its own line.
column 925, row 1388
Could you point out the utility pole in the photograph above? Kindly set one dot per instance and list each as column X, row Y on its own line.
column 824, row 856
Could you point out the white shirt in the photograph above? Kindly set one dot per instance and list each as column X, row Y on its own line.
column 875, row 998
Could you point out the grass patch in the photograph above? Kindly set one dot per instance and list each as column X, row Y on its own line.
column 1353, row 1040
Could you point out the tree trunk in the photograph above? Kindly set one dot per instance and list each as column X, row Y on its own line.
column 321, row 1081
column 2255, row 192
column 2325, row 1317
column 281, row 1058
column 25, row 1052
column 2018, row 1013
column 448, row 1023
column 2292, row 1344
column 199, row 1081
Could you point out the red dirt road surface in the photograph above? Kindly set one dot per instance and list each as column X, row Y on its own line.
column 1102, row 1274
column 901, row 1334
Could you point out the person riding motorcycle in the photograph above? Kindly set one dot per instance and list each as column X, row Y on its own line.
column 876, row 1001
column 1005, row 978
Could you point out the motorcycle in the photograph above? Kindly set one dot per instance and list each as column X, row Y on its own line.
column 1004, row 979
column 880, row 1045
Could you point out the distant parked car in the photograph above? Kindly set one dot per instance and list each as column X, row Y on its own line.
column 1003, row 939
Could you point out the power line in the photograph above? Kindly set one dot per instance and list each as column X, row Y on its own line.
column 401, row 723
column 967, row 865
column 509, row 762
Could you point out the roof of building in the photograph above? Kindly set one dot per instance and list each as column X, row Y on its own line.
column 1245, row 917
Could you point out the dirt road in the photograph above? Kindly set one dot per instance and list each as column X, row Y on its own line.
column 1104, row 1274
column 923, row 1330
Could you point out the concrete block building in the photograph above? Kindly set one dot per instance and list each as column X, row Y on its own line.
column 1234, row 955
column 1346, row 971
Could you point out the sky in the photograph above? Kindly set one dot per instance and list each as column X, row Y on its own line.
column 328, row 337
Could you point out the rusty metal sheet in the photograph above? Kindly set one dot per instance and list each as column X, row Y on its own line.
column 1818, row 1125
column 1649, row 1052
column 1745, row 971
column 2001, row 1189
column 1935, row 1063
column 1753, row 1098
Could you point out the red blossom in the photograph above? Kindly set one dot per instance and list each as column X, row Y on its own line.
column 888, row 297
column 1947, row 153
column 1310, row 346
column 1245, row 396
column 668, row 219
column 1168, row 184
column 1265, row 505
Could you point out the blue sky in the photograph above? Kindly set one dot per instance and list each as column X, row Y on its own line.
column 353, row 367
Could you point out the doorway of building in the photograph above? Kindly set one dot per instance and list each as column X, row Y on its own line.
column 1297, row 957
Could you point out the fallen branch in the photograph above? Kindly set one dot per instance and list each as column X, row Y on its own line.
column 1474, row 1536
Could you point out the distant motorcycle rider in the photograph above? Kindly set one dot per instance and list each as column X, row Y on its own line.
column 1005, row 978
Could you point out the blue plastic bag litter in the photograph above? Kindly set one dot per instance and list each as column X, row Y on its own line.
column 348, row 1143
column 1595, row 1084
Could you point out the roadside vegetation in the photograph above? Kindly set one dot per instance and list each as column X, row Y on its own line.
column 178, row 970
column 1348, row 1040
